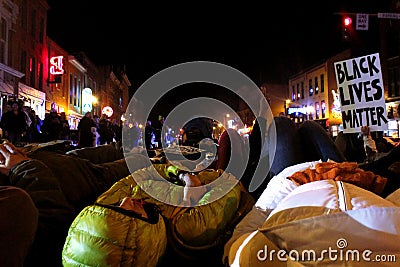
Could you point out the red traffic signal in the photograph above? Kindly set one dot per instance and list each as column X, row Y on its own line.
column 347, row 21
column 347, row 28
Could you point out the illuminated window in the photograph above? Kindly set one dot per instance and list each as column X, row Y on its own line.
column 293, row 94
column 311, row 90
column 71, row 89
column 323, row 109
column 322, row 83
column 316, row 85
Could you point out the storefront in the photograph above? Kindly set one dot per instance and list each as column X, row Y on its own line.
column 7, row 92
column 33, row 98
column 73, row 119
column 394, row 119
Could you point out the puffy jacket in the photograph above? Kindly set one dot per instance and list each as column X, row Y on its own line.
column 198, row 226
column 317, row 216
column 102, row 236
column 192, row 231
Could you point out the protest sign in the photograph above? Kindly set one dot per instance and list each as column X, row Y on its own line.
column 362, row 98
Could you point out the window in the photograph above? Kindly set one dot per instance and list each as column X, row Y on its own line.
column 11, row 46
column 293, row 94
column 23, row 65
column 323, row 108
column 40, row 76
column 79, row 93
column 316, row 110
column 322, row 83
column 24, row 15
column 41, row 31
column 3, row 40
column 71, row 89
column 394, row 82
column 75, row 90
column 316, row 85
column 311, row 91
column 298, row 91
column 310, row 110
column 32, row 69
column 302, row 90
column 33, row 23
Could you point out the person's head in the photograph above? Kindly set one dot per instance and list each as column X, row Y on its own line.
column 365, row 130
column 88, row 114
column 15, row 106
column 8, row 107
column 53, row 113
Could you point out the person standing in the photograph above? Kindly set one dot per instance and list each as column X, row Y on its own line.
column 52, row 126
column 148, row 134
column 369, row 144
column 35, row 131
column 157, row 126
column 14, row 124
column 85, row 133
column 65, row 130
column 105, row 131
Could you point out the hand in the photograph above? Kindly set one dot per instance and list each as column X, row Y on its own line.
column 10, row 156
column 135, row 205
column 192, row 196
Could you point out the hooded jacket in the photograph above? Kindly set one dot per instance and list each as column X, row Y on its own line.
column 303, row 222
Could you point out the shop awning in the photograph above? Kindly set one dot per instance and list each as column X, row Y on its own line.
column 6, row 88
column 74, row 114
column 31, row 93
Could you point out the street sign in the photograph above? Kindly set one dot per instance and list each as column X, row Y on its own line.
column 389, row 15
column 362, row 22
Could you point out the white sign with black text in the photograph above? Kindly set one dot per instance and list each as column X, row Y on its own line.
column 362, row 98
column 362, row 22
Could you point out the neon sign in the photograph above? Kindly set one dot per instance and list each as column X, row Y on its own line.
column 302, row 110
column 336, row 106
column 87, row 99
column 108, row 111
column 56, row 65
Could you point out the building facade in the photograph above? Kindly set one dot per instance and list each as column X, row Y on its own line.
column 390, row 53
column 313, row 95
column 36, row 70
column 22, row 47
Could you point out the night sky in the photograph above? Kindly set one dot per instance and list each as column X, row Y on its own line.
column 268, row 42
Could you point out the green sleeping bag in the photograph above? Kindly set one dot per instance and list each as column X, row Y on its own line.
column 105, row 236
column 196, row 228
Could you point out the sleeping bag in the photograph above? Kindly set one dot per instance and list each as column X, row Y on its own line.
column 189, row 229
column 107, row 235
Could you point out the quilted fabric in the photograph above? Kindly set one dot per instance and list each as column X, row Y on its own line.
column 100, row 236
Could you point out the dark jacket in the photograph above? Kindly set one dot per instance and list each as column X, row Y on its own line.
column 61, row 186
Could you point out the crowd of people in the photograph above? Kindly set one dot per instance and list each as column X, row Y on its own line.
column 295, row 145
column 20, row 125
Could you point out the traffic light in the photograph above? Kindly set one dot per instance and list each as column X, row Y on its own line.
column 347, row 28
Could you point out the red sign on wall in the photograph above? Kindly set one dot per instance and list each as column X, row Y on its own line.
column 56, row 65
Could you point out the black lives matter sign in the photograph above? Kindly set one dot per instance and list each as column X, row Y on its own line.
column 361, row 91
